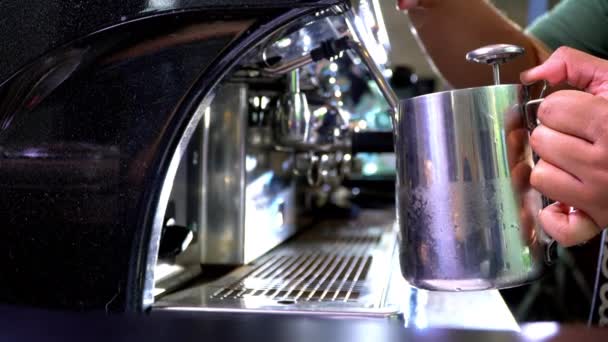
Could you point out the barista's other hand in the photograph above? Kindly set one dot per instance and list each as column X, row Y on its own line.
column 405, row 5
column 572, row 142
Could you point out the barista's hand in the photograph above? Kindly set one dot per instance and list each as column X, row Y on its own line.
column 572, row 142
column 405, row 5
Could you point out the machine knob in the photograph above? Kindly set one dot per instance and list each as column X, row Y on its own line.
column 495, row 55
column 175, row 239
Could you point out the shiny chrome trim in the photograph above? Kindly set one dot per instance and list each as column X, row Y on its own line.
column 330, row 269
column 161, row 207
column 288, row 66
column 386, row 312
column 391, row 98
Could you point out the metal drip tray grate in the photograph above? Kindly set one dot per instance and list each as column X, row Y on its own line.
column 341, row 237
column 331, row 268
column 308, row 277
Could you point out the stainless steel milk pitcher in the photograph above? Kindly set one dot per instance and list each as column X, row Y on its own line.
column 465, row 208
column 466, row 212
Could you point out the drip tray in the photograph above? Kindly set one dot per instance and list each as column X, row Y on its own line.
column 336, row 268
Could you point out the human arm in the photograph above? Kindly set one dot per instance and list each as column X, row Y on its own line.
column 448, row 29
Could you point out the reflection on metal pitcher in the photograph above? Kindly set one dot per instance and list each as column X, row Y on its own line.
column 466, row 210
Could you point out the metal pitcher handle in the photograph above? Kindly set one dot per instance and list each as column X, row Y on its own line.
column 531, row 116
column 530, row 111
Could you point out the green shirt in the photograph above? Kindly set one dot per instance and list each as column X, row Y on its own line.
column 580, row 24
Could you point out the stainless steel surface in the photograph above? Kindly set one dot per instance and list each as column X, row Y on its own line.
column 248, row 208
column 292, row 121
column 223, row 166
column 366, row 22
column 531, row 117
column 289, row 66
column 329, row 127
column 370, row 13
column 292, row 50
column 330, row 270
column 314, row 174
column 466, row 210
column 419, row 309
column 495, row 55
column 172, row 271
column 385, row 88
column 361, row 52
column 149, row 291
column 244, row 192
column 496, row 73
column 247, row 194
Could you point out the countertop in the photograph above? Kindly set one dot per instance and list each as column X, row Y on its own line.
column 32, row 325
column 485, row 310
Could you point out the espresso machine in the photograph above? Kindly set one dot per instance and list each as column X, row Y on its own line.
column 271, row 153
column 145, row 144
column 160, row 156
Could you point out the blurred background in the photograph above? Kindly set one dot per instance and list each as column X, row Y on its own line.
column 405, row 50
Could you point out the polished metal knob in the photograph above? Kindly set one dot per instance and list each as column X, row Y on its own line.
column 495, row 55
